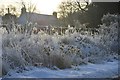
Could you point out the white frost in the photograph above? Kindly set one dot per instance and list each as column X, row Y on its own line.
column 107, row 70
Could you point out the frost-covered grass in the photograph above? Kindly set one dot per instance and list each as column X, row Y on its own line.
column 106, row 70
column 21, row 49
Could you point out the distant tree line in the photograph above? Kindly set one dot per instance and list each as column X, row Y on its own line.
column 86, row 13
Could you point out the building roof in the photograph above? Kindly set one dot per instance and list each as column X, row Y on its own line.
column 40, row 19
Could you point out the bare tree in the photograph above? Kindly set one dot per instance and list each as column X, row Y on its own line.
column 83, row 5
column 2, row 11
column 29, row 6
column 67, row 7
column 68, row 10
column 12, row 10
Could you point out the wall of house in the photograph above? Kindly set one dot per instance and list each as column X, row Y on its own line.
column 0, row 20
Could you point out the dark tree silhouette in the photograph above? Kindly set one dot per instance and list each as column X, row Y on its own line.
column 96, row 11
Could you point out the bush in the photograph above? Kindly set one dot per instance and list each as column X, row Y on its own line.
column 60, row 61
column 21, row 49
column 108, row 19
column 109, row 33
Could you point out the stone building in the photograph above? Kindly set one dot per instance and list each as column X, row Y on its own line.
column 40, row 19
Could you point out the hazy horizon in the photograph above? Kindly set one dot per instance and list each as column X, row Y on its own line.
column 43, row 6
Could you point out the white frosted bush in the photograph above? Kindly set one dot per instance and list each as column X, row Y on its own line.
column 24, row 48
column 109, row 19
column 109, row 33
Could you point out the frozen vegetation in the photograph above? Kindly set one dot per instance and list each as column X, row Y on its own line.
column 107, row 70
column 68, row 55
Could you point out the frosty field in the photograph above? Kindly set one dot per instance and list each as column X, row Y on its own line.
column 70, row 55
column 106, row 70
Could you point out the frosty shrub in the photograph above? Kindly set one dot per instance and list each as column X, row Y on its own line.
column 60, row 61
column 109, row 19
column 21, row 47
column 109, row 32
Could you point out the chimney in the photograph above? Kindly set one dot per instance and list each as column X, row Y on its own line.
column 8, row 10
column 55, row 14
column 23, row 10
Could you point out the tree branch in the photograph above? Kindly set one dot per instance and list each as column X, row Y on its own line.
column 83, row 9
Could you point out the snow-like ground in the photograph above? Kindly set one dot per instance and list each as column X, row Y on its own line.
column 106, row 70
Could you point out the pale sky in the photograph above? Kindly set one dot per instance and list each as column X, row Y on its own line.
column 43, row 6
